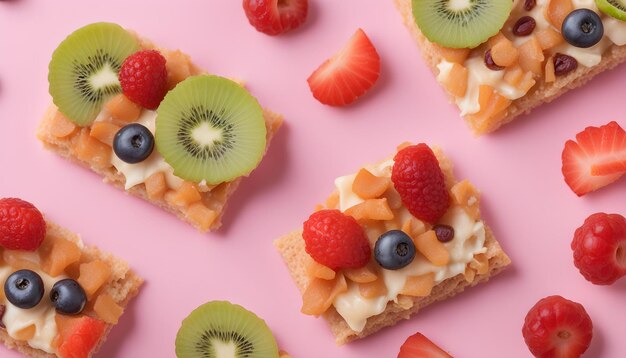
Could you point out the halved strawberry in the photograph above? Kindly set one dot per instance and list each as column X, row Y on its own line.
column 418, row 346
column 79, row 335
column 275, row 17
column 347, row 75
column 595, row 159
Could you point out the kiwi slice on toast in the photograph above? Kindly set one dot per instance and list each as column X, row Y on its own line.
column 210, row 128
column 220, row 329
column 84, row 68
column 460, row 23
column 613, row 8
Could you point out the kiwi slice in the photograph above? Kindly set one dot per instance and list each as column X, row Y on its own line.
column 613, row 8
column 210, row 128
column 220, row 329
column 460, row 23
column 83, row 70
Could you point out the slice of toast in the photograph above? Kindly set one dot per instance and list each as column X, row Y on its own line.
column 292, row 249
column 542, row 92
column 122, row 285
column 214, row 199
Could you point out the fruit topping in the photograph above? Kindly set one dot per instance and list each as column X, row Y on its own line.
column 179, row 67
column 83, row 72
column 504, row 53
column 60, row 126
column 26, row 333
column 613, row 8
column 369, row 186
column 336, row 240
column 363, row 274
column 316, row 269
column 531, row 56
column 417, row 177
column 143, row 78
column 582, row 28
column 78, row 335
column 220, row 326
column 394, row 250
column 373, row 289
column 371, row 209
column 524, row 26
column 93, row 275
column 557, row 327
column 185, row 195
column 429, row 246
column 107, row 309
column 68, row 297
column 599, row 247
column 156, row 186
column 274, row 17
column 199, row 214
column 603, row 146
column 348, row 74
column 320, row 294
column 57, row 254
column 104, row 132
column 133, row 143
column 456, row 80
column 210, row 128
column 454, row 55
column 445, row 233
column 490, row 63
column 464, row 24
column 419, row 286
column 418, row 346
column 24, row 289
column 123, row 109
column 557, row 11
column 548, row 38
column 22, row 226
column 564, row 64
column 91, row 150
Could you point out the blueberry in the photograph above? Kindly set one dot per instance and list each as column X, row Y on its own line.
column 394, row 250
column 68, row 297
column 133, row 143
column 582, row 28
column 24, row 289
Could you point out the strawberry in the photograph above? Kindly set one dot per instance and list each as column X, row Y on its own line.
column 347, row 75
column 418, row 346
column 599, row 247
column 78, row 335
column 22, row 227
column 596, row 159
column 274, row 17
column 557, row 328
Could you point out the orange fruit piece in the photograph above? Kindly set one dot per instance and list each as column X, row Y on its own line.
column 78, row 335
column 480, row 263
column 373, row 289
column 320, row 294
column 19, row 260
column 428, row 245
column 201, row 215
column 557, row 11
column 456, row 81
column 317, row 270
column 455, row 55
column 492, row 109
column 550, row 74
column 178, row 67
column 504, row 54
column 419, row 286
column 60, row 126
column 513, row 76
column 465, row 195
column 91, row 150
column 531, row 56
column 499, row 37
column 371, row 209
column 107, row 309
column 57, row 254
column 363, row 274
column 184, row 196
column 104, row 132
column 469, row 274
column 93, row 275
column 549, row 38
column 123, row 109
column 369, row 186
column 156, row 186
column 333, row 201
column 25, row 333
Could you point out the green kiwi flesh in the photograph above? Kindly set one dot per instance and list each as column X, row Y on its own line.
column 220, row 329
column 460, row 23
column 613, row 8
column 210, row 128
column 83, row 71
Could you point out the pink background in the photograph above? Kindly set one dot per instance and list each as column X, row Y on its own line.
column 526, row 201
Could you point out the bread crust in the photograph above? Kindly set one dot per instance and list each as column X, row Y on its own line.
column 541, row 93
column 123, row 285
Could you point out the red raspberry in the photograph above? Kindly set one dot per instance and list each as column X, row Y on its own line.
column 417, row 177
column 600, row 248
column 274, row 17
column 556, row 327
column 336, row 240
column 143, row 77
column 22, row 226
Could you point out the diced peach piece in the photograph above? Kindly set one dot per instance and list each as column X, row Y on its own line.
column 373, row 289
column 497, row 38
column 363, row 274
column 528, row 81
column 25, row 333
column 419, row 286
column 123, row 109
column 513, row 76
column 405, row 302
column 320, row 294
column 57, row 254
column 92, row 151
column 557, row 11
column 186, row 195
column 93, row 275
column 20, row 260
column 480, row 263
column 429, row 246
column 104, row 132
column 156, row 186
column 549, row 38
column 531, row 56
column 456, row 81
column 414, row 227
column 60, row 126
column 317, row 270
column 371, row 209
column 504, row 54
column 469, row 274
column 178, row 67
column 333, row 201
column 107, row 309
column 455, row 55
column 369, row 186
column 465, row 195
column 550, row 74
column 393, row 198
column 201, row 215
column 492, row 109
